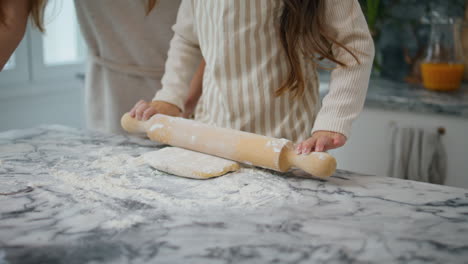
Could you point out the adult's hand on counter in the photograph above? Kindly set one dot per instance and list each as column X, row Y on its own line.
column 321, row 141
column 145, row 110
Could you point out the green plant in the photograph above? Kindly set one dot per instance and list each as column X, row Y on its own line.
column 372, row 11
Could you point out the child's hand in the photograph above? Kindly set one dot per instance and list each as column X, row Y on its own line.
column 144, row 110
column 321, row 141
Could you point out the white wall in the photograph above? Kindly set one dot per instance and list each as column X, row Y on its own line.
column 367, row 151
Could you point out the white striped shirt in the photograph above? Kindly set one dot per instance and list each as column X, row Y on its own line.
column 245, row 64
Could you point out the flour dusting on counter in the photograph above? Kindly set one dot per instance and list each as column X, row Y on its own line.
column 123, row 176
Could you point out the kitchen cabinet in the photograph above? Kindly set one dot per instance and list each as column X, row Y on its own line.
column 368, row 150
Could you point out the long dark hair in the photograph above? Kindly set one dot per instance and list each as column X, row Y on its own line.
column 302, row 32
column 35, row 9
column 150, row 5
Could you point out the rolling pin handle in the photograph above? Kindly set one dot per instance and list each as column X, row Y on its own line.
column 132, row 125
column 318, row 164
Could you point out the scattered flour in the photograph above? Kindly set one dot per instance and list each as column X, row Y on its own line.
column 118, row 164
column 156, row 126
column 319, row 155
column 127, row 178
column 277, row 144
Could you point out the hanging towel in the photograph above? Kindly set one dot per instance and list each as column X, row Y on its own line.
column 417, row 154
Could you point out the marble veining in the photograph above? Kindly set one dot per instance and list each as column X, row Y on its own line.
column 399, row 96
column 72, row 196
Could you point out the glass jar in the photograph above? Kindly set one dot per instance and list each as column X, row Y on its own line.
column 443, row 67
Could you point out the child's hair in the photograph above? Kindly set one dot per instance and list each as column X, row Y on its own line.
column 36, row 10
column 302, row 33
column 150, row 5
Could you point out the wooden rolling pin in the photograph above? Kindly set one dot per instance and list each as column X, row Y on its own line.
column 248, row 148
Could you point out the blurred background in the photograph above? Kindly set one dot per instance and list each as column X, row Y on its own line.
column 42, row 82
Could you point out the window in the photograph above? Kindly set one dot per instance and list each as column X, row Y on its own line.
column 10, row 63
column 50, row 60
column 61, row 43
column 16, row 71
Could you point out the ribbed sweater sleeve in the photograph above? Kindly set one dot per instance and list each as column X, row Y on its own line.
column 345, row 22
column 183, row 58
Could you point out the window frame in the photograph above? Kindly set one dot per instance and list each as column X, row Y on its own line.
column 31, row 76
column 16, row 75
column 44, row 73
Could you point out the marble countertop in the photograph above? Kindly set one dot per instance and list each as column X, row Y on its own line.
column 71, row 196
column 399, row 96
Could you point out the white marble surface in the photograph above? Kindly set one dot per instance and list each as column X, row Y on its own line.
column 69, row 196
column 399, row 96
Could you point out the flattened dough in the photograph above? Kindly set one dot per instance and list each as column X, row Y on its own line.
column 187, row 163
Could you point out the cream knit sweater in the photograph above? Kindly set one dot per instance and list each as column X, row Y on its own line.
column 245, row 64
column 127, row 51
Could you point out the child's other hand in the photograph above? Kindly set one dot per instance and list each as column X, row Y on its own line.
column 144, row 110
column 321, row 141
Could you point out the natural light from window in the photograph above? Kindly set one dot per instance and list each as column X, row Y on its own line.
column 10, row 63
column 61, row 42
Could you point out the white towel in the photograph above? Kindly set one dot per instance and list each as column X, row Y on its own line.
column 417, row 154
